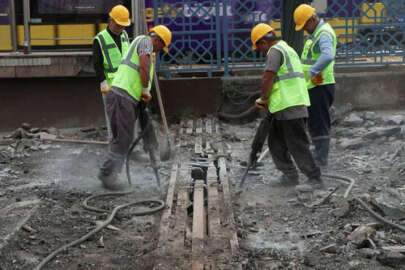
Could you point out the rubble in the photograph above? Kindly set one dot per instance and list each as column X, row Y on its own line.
column 390, row 258
column 333, row 248
column 353, row 119
column 392, row 202
column 352, row 143
column 378, row 132
column 360, row 236
column 394, row 120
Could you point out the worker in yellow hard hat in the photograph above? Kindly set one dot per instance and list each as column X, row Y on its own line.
column 127, row 98
column 318, row 62
column 108, row 47
column 284, row 96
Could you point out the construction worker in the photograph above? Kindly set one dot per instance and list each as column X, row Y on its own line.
column 285, row 96
column 127, row 97
column 108, row 47
column 318, row 62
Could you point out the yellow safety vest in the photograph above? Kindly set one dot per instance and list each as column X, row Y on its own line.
column 289, row 88
column 127, row 76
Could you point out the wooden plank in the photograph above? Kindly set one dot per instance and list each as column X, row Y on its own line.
column 199, row 230
column 198, row 129
column 167, row 212
column 228, row 216
column 190, row 127
column 198, row 146
column 214, row 222
column 208, row 126
column 199, row 225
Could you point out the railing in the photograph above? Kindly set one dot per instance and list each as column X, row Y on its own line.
column 214, row 36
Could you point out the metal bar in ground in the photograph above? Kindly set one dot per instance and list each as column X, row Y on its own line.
column 198, row 128
column 198, row 146
column 190, row 127
column 208, row 126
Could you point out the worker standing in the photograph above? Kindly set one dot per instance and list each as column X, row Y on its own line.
column 108, row 47
column 285, row 96
column 318, row 62
column 126, row 100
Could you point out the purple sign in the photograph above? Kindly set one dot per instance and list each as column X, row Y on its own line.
column 4, row 10
column 75, row 6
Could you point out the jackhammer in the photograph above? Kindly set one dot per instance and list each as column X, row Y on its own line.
column 150, row 142
column 257, row 145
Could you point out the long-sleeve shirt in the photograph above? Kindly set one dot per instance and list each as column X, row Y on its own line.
column 98, row 59
column 325, row 47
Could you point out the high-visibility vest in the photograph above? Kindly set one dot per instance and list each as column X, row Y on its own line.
column 127, row 76
column 111, row 54
column 309, row 56
column 289, row 88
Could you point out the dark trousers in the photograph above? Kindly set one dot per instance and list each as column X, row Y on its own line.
column 123, row 111
column 288, row 138
column 319, row 122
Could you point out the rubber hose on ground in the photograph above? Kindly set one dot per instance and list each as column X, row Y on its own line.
column 160, row 206
column 364, row 205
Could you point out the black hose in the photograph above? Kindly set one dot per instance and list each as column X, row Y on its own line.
column 160, row 206
column 246, row 113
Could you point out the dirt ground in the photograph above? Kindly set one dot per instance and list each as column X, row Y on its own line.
column 277, row 228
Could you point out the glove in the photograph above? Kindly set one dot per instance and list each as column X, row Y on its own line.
column 146, row 97
column 104, row 87
column 261, row 104
column 317, row 79
column 146, row 90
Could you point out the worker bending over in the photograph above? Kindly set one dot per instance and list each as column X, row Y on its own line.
column 127, row 98
column 285, row 96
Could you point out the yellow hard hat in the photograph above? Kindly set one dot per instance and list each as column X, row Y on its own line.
column 302, row 14
column 164, row 33
column 259, row 31
column 120, row 15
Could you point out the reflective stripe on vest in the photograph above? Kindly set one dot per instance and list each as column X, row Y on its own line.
column 289, row 88
column 127, row 77
column 291, row 73
column 309, row 57
column 109, row 47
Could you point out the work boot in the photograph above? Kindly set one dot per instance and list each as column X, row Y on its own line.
column 321, row 152
column 311, row 184
column 110, row 180
column 289, row 181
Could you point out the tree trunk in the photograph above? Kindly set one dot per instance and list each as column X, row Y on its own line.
column 292, row 37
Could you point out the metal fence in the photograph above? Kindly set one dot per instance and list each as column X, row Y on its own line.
column 214, row 36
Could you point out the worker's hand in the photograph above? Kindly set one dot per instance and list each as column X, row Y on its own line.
column 261, row 104
column 317, row 79
column 104, row 87
column 146, row 90
column 146, row 97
